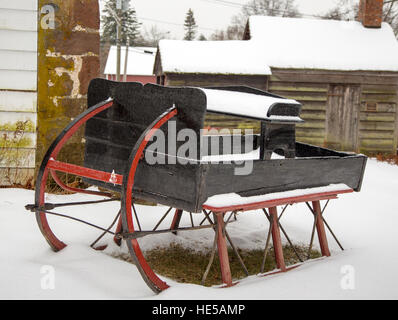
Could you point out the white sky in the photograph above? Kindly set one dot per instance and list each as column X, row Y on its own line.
column 209, row 14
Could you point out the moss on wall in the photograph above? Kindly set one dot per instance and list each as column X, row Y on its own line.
column 68, row 58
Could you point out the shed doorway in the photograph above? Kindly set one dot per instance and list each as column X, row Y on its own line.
column 342, row 117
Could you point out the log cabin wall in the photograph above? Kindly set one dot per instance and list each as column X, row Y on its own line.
column 367, row 119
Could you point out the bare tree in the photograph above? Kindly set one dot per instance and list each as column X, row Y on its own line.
column 280, row 8
column 348, row 10
column 151, row 37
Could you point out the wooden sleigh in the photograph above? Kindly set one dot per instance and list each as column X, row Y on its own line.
column 120, row 123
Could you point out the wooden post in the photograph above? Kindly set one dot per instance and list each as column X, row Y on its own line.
column 176, row 220
column 118, row 229
column 222, row 250
column 276, row 239
column 320, row 228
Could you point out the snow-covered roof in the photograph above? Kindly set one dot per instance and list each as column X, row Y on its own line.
column 214, row 57
column 324, row 44
column 140, row 61
column 249, row 105
column 287, row 43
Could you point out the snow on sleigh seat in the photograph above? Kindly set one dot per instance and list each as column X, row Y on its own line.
column 121, row 121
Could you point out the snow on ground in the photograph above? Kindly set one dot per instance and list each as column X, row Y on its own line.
column 366, row 224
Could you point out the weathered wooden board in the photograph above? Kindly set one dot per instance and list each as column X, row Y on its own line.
column 22, row 40
column 337, row 77
column 313, row 98
column 342, row 115
column 18, row 60
column 17, row 157
column 18, row 85
column 206, row 80
column 22, row 20
column 18, row 80
column 19, row 4
column 15, row 176
column 16, row 101
column 287, row 174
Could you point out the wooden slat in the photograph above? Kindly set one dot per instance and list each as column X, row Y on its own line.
column 23, row 140
column 314, row 141
column 379, row 126
column 17, row 158
column 368, row 134
column 313, row 115
column 18, row 80
column 377, row 116
column 314, row 105
column 16, row 101
column 10, row 118
column 21, row 40
column 19, row 176
column 379, row 98
column 312, row 124
column 310, row 132
column 376, row 143
column 18, row 60
column 338, row 77
column 19, row 4
column 301, row 87
column 381, row 90
column 382, row 107
column 18, row 20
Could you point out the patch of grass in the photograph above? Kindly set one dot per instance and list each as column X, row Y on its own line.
column 389, row 158
column 188, row 266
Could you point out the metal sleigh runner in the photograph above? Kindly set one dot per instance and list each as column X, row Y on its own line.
column 119, row 123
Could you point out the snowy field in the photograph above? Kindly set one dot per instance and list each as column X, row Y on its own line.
column 366, row 224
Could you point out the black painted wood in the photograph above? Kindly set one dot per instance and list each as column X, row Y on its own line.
column 112, row 134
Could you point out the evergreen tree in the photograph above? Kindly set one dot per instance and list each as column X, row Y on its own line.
column 202, row 37
column 129, row 22
column 190, row 26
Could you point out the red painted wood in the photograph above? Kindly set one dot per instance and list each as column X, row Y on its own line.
column 223, row 251
column 280, row 271
column 278, row 202
column 320, row 228
column 176, row 220
column 52, row 240
column 276, row 239
column 129, row 189
column 85, row 172
column 78, row 190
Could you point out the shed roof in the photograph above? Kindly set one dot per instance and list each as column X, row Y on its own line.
column 290, row 43
column 214, row 57
column 140, row 61
column 324, row 44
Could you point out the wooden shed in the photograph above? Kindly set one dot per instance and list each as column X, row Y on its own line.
column 139, row 68
column 344, row 73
